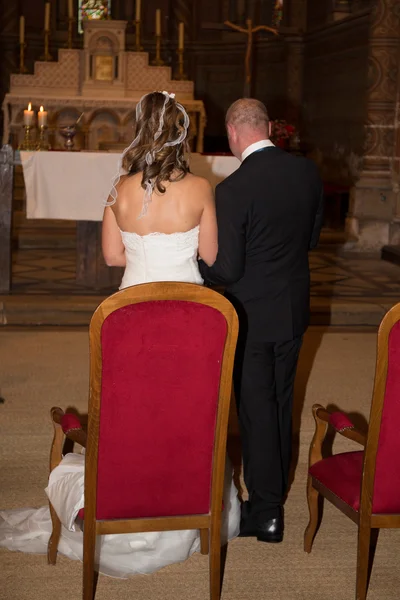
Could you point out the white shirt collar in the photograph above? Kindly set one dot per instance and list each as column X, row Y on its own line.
column 256, row 146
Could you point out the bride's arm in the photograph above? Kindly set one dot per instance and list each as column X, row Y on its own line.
column 111, row 240
column 208, row 237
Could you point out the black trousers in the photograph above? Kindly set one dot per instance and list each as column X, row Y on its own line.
column 264, row 381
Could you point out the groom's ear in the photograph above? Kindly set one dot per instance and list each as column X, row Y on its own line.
column 231, row 132
column 269, row 128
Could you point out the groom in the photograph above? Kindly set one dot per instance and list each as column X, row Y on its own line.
column 269, row 215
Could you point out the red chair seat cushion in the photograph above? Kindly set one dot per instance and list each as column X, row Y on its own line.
column 341, row 474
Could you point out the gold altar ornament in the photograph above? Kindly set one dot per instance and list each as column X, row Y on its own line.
column 46, row 56
column 181, row 75
column 29, row 115
column 158, row 62
column 42, row 117
column 42, row 144
column 104, row 67
column 28, row 143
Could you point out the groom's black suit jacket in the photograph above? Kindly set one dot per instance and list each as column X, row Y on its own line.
column 269, row 215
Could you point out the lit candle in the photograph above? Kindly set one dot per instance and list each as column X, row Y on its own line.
column 138, row 10
column 181, row 35
column 22, row 30
column 158, row 21
column 42, row 117
column 47, row 16
column 71, row 9
column 28, row 115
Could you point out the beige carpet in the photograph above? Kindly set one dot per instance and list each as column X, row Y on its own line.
column 40, row 369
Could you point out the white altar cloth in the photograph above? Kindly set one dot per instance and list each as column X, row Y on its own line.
column 75, row 185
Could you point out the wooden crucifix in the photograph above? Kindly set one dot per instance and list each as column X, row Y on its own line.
column 249, row 31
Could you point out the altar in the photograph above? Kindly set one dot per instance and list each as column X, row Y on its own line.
column 75, row 185
column 96, row 88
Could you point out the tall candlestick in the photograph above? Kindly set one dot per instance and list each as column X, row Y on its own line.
column 22, row 30
column 181, row 35
column 138, row 46
column 158, row 21
column 28, row 116
column 70, row 9
column 47, row 16
column 138, row 3
column 158, row 62
column 42, row 117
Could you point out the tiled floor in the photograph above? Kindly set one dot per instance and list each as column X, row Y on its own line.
column 52, row 271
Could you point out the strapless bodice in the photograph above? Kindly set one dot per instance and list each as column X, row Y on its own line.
column 161, row 257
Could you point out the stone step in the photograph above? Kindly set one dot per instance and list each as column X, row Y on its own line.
column 75, row 311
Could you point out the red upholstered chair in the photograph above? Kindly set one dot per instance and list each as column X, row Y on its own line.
column 161, row 361
column 364, row 485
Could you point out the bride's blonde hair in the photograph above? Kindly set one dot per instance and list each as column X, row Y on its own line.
column 157, row 151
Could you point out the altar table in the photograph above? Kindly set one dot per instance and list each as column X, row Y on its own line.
column 75, row 186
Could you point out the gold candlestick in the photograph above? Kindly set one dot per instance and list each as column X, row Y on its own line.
column 46, row 56
column 42, row 143
column 138, row 47
column 27, row 144
column 158, row 62
column 181, row 75
column 71, row 22
column 22, row 68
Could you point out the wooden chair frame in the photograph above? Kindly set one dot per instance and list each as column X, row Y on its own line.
column 368, row 523
column 209, row 524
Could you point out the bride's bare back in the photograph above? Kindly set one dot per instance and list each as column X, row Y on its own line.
column 184, row 205
column 180, row 208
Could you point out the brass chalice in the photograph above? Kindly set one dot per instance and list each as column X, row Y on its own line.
column 68, row 132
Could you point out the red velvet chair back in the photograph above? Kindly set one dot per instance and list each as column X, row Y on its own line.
column 157, row 354
column 384, row 429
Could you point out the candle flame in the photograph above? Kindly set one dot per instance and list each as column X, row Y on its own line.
column 29, row 106
column 41, row 109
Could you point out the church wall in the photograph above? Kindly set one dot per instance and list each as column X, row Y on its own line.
column 334, row 101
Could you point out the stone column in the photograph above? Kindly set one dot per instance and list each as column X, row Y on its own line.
column 371, row 218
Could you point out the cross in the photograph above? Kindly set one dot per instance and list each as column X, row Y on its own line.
column 250, row 31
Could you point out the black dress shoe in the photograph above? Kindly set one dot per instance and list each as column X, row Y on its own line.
column 270, row 531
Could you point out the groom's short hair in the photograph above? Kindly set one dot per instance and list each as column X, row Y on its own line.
column 248, row 112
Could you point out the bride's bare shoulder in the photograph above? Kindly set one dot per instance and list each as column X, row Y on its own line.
column 200, row 183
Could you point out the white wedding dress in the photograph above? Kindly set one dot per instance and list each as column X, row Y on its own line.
column 153, row 257
column 161, row 257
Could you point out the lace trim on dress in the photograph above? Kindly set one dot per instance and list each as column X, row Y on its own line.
column 159, row 233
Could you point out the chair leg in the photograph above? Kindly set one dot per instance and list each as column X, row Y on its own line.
column 52, row 547
column 367, row 539
column 55, row 459
column 89, row 549
column 313, row 507
column 204, row 541
column 215, row 563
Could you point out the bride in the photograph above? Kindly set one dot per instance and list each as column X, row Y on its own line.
column 159, row 218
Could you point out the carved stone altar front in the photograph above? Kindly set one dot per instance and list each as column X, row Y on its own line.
column 102, row 81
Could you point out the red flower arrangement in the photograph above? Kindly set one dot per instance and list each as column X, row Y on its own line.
column 281, row 133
